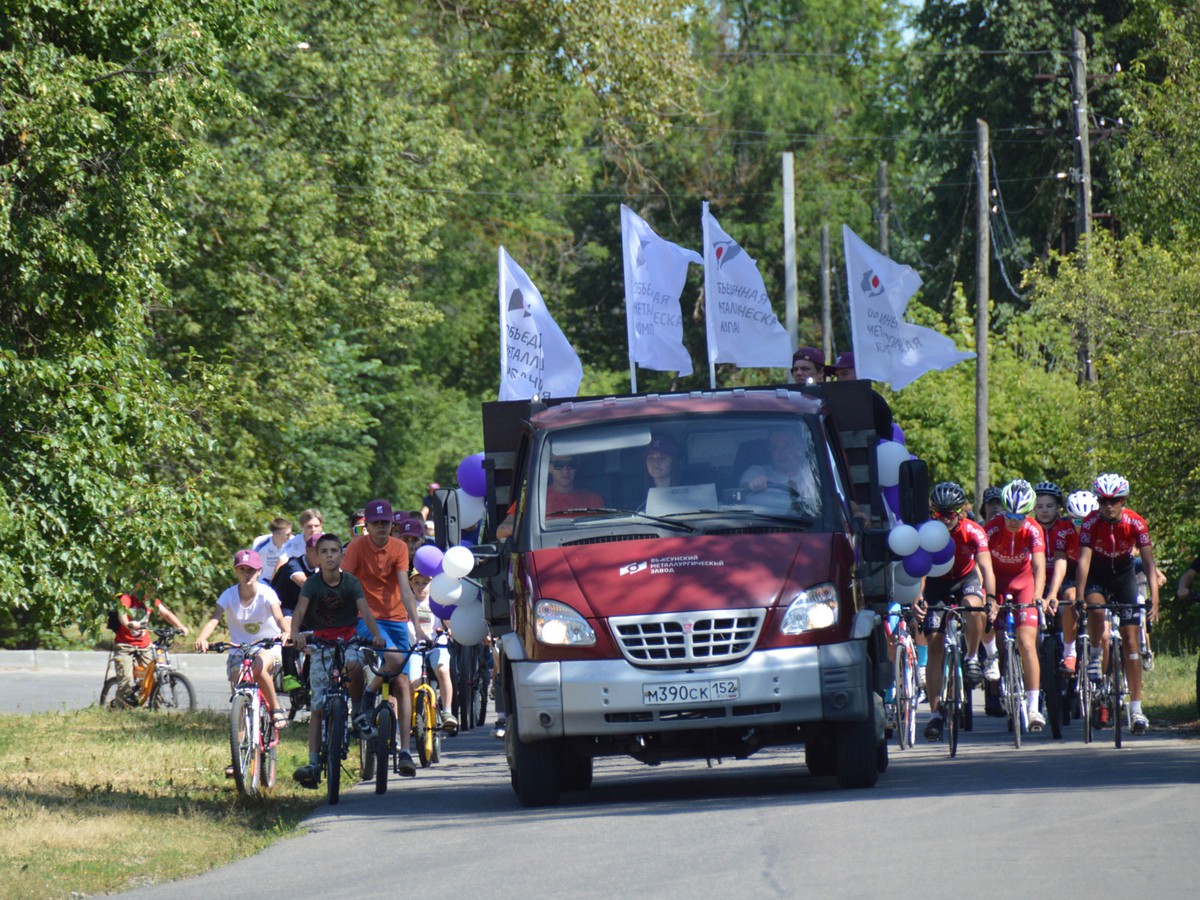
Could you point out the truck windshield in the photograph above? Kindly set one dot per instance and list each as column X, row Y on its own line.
column 769, row 465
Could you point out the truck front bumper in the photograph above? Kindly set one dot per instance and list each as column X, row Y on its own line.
column 829, row 683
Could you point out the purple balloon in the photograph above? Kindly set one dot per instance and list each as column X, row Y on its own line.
column 918, row 563
column 442, row 612
column 897, row 433
column 428, row 560
column 891, row 496
column 471, row 477
column 944, row 555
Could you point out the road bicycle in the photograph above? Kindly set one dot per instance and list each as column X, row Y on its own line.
column 1012, row 679
column 955, row 702
column 1057, row 687
column 155, row 684
column 253, row 740
column 335, row 717
column 906, row 679
column 1113, row 691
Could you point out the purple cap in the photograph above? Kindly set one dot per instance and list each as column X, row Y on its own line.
column 812, row 354
column 313, row 539
column 845, row 360
column 379, row 511
column 248, row 558
column 410, row 527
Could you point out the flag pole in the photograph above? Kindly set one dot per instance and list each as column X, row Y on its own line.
column 708, row 319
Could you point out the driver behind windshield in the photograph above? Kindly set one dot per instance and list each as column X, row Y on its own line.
column 788, row 480
column 562, row 494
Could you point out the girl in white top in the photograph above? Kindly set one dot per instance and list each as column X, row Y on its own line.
column 252, row 613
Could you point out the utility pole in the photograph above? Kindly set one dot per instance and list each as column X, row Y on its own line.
column 1082, row 176
column 982, row 291
column 881, row 204
column 826, row 297
column 791, row 311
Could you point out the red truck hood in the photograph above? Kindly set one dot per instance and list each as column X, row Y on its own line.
column 682, row 574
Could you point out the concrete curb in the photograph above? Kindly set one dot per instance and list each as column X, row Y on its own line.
column 95, row 661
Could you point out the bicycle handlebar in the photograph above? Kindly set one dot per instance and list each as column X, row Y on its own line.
column 226, row 646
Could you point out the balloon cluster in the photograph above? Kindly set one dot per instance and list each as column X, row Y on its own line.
column 927, row 550
column 452, row 598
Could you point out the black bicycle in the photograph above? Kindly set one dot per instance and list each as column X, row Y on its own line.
column 471, row 675
column 335, row 718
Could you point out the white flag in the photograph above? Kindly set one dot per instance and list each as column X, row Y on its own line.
column 535, row 356
column 742, row 327
column 655, row 271
column 886, row 348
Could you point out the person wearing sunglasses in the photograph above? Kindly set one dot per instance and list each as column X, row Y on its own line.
column 1018, row 547
column 562, row 494
column 1064, row 544
column 968, row 582
column 1108, row 538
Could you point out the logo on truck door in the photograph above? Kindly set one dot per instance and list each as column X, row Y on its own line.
column 634, row 567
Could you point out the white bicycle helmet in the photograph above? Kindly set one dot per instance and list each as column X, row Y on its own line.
column 1018, row 497
column 1080, row 503
column 1110, row 485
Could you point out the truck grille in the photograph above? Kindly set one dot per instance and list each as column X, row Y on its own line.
column 706, row 638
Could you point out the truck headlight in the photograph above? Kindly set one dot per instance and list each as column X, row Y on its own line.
column 809, row 610
column 559, row 625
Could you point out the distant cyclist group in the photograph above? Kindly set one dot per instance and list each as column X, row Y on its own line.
column 1039, row 561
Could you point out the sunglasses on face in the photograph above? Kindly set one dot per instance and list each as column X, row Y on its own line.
column 359, row 529
column 1014, row 517
column 564, row 464
column 945, row 514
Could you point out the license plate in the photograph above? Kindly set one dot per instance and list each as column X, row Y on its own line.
column 670, row 693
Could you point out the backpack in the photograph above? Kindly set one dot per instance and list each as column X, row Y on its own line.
column 114, row 621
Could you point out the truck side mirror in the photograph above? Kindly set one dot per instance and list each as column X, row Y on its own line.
column 447, row 527
column 875, row 545
column 914, row 492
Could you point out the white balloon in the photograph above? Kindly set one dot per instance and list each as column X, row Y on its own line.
column 934, row 536
column 467, row 625
column 458, row 562
column 900, row 576
column 470, row 591
column 470, row 509
column 445, row 589
column 939, row 570
column 903, row 540
column 889, row 455
column 905, row 593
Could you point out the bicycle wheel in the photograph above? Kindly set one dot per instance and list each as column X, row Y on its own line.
column 268, row 747
column 108, row 693
column 482, row 682
column 953, row 693
column 385, row 725
column 429, row 740
column 420, row 729
column 173, row 691
column 1116, row 685
column 243, row 745
column 334, row 723
column 366, row 758
column 1015, row 690
column 900, row 668
column 1052, row 686
column 967, row 710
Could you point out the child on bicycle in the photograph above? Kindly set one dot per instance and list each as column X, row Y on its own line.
column 439, row 655
column 333, row 602
column 133, row 639
column 252, row 613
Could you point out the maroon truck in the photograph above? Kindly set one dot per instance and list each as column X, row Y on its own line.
column 735, row 608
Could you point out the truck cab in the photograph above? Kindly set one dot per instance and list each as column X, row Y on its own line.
column 686, row 576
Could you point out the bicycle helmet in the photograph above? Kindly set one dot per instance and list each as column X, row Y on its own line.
column 1049, row 487
column 947, row 497
column 1080, row 503
column 1110, row 485
column 1018, row 497
column 990, row 493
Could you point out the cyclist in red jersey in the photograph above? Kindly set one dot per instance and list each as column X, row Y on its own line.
column 1047, row 508
column 1107, row 540
column 969, row 581
column 1064, row 543
column 1019, row 558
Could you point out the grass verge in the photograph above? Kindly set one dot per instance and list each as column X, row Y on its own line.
column 1169, row 692
column 95, row 801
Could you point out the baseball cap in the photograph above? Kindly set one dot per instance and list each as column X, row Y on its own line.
column 313, row 539
column 845, row 360
column 247, row 558
column 379, row 511
column 661, row 444
column 410, row 527
column 812, row 354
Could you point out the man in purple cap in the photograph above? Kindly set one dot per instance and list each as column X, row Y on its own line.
column 808, row 364
column 843, row 367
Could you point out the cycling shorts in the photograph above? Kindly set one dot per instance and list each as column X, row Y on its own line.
column 233, row 662
column 942, row 591
column 1021, row 589
column 318, row 672
column 1119, row 588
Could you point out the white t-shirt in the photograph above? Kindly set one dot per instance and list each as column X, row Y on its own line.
column 253, row 622
column 271, row 555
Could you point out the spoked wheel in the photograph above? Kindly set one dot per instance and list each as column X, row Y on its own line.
column 430, row 743
column 172, row 692
column 385, row 725
column 904, row 676
column 108, row 694
column 268, row 752
column 1015, row 690
column 366, row 758
column 334, row 723
column 954, row 693
column 243, row 745
column 1085, row 691
column 420, row 730
column 1116, row 686
column 1052, row 686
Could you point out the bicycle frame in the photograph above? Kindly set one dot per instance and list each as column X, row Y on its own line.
column 253, row 737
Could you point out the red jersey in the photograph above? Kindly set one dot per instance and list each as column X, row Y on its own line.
column 1114, row 542
column 1064, row 539
column 1012, row 551
column 969, row 540
column 138, row 612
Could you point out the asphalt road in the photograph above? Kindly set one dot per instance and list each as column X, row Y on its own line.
column 1054, row 818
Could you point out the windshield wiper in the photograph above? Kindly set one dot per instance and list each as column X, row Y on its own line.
column 606, row 510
